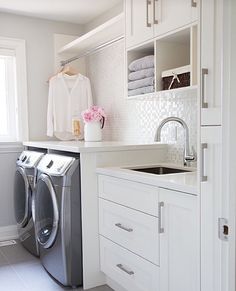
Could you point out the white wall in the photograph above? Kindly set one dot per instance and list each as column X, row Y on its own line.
column 104, row 17
column 39, row 36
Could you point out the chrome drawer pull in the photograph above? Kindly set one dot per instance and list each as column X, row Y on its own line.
column 155, row 21
column 203, row 176
column 160, row 206
column 148, row 24
column 120, row 266
column 204, row 73
column 123, row 227
column 193, row 3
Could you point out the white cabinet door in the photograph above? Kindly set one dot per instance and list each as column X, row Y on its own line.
column 172, row 14
column 212, row 202
column 138, row 21
column 211, row 61
column 179, row 241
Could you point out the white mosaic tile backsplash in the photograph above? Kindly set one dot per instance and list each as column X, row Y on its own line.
column 136, row 120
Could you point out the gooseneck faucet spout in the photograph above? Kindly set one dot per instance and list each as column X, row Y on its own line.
column 188, row 156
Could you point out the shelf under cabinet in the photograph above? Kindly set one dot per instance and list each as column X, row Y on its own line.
column 108, row 31
column 158, row 94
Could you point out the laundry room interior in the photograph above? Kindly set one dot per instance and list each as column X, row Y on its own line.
column 117, row 145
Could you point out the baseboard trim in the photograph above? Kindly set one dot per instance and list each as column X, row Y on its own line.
column 8, row 232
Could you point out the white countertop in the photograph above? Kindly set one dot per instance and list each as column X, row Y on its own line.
column 81, row 146
column 184, row 182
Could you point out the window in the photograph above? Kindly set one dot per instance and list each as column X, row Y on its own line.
column 13, row 93
column 8, row 100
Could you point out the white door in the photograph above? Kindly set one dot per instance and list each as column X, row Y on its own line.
column 211, row 61
column 213, row 249
column 179, row 241
column 138, row 21
column 172, row 14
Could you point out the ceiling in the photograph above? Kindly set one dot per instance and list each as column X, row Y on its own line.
column 74, row 11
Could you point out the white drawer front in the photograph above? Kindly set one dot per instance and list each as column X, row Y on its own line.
column 131, row 229
column 129, row 270
column 132, row 194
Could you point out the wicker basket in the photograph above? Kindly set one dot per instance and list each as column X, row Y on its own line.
column 176, row 78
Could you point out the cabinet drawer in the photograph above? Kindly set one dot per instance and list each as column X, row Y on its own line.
column 132, row 229
column 129, row 270
column 132, row 194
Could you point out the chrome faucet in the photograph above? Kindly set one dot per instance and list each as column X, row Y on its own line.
column 188, row 157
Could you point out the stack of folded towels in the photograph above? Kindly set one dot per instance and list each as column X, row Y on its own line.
column 141, row 76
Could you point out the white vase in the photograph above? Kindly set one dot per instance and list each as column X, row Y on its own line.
column 92, row 131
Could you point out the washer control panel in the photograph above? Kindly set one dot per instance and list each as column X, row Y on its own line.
column 29, row 159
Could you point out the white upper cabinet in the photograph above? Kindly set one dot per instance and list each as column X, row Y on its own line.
column 139, row 24
column 146, row 19
column 211, row 61
column 171, row 14
column 179, row 241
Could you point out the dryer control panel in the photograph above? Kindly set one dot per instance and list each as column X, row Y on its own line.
column 55, row 165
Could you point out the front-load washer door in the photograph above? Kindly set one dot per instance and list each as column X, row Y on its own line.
column 22, row 198
column 46, row 214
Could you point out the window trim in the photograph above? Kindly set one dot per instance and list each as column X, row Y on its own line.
column 18, row 45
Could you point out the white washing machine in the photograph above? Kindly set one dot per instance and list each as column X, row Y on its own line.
column 24, row 185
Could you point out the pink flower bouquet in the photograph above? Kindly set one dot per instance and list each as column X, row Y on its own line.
column 94, row 114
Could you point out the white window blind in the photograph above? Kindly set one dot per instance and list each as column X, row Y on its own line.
column 8, row 96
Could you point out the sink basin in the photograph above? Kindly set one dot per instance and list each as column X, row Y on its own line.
column 159, row 170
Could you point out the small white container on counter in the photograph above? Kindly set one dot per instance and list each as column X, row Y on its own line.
column 93, row 131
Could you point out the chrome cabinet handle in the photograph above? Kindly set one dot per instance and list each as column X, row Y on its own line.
column 123, row 227
column 120, row 266
column 193, row 3
column 160, row 206
column 204, row 104
column 203, row 176
column 155, row 21
column 148, row 24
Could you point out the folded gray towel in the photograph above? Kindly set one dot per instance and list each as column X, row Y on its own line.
column 139, row 91
column 142, row 63
column 141, row 83
column 141, row 74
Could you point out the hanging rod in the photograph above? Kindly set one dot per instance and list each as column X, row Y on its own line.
column 106, row 44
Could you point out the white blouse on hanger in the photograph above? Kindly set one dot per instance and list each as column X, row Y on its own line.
column 68, row 97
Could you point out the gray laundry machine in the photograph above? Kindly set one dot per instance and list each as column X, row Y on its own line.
column 24, row 184
column 57, row 216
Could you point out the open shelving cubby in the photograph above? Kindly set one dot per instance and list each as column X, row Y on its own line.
column 174, row 52
column 136, row 53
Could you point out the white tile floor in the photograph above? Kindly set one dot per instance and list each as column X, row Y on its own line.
column 20, row 271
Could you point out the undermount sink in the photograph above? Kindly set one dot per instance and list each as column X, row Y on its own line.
column 159, row 170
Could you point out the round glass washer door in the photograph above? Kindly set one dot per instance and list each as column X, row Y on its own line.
column 22, row 197
column 46, row 214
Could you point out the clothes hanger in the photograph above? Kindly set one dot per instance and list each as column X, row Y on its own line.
column 67, row 70
column 70, row 71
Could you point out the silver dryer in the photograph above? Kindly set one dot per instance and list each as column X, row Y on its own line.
column 57, row 214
